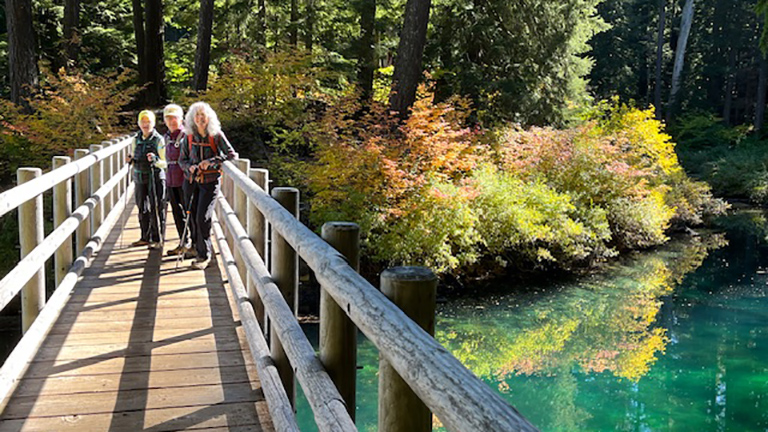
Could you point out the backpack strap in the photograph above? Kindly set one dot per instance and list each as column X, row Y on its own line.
column 212, row 144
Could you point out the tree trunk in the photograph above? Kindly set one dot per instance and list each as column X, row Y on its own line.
column 309, row 32
column 154, row 53
column 71, row 33
column 715, row 76
column 262, row 23
column 729, row 86
column 367, row 58
column 203, row 54
column 138, row 31
column 660, row 56
column 22, row 58
column 294, row 31
column 682, row 41
column 761, row 96
column 409, row 52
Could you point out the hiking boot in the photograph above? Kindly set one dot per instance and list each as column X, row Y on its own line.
column 140, row 242
column 178, row 250
column 155, row 245
column 201, row 263
column 190, row 253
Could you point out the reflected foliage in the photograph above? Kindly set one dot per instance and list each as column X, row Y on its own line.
column 601, row 325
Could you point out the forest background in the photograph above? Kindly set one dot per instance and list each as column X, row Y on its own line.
column 477, row 137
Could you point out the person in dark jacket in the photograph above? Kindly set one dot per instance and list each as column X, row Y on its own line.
column 203, row 151
column 174, row 117
column 148, row 159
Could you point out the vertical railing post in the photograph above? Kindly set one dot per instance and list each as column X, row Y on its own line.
column 82, row 192
column 257, row 231
column 107, row 174
column 30, row 235
column 62, row 209
column 241, row 211
column 338, row 335
column 115, row 169
column 414, row 291
column 285, row 273
column 97, row 216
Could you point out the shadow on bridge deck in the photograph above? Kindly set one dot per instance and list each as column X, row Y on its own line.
column 142, row 346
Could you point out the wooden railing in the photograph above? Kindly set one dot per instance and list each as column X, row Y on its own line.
column 460, row 400
column 263, row 276
column 100, row 180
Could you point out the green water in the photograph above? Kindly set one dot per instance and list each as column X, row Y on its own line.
column 674, row 339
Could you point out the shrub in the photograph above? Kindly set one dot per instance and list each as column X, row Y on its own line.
column 432, row 192
column 68, row 112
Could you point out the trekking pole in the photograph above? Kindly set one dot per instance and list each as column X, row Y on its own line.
column 184, row 233
column 125, row 209
column 153, row 192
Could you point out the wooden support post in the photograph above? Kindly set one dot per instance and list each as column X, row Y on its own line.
column 82, row 192
column 414, row 291
column 97, row 216
column 106, row 175
column 241, row 211
column 338, row 335
column 257, row 232
column 116, row 164
column 285, row 274
column 31, row 234
column 62, row 208
column 115, row 168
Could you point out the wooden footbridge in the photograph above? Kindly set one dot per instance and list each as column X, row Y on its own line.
column 130, row 341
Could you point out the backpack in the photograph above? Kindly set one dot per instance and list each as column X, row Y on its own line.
column 212, row 144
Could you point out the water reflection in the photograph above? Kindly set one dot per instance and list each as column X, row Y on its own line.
column 605, row 323
column 674, row 339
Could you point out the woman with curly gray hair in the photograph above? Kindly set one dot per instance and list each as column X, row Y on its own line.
column 203, row 150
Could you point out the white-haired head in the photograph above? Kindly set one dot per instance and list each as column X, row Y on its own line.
column 214, row 126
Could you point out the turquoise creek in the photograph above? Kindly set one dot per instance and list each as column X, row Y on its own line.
column 674, row 339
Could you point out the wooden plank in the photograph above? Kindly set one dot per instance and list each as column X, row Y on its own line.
column 205, row 343
column 107, row 313
column 156, row 335
column 131, row 303
column 129, row 400
column 144, row 297
column 75, row 385
column 159, row 362
column 141, row 323
column 241, row 416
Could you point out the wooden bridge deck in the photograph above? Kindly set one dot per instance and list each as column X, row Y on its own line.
column 141, row 346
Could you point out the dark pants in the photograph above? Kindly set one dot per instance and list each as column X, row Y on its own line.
column 176, row 197
column 203, row 197
column 150, row 196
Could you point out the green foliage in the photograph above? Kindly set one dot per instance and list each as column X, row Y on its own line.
column 276, row 93
column 69, row 112
column 730, row 159
column 521, row 61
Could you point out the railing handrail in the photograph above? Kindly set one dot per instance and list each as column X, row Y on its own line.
column 18, row 195
column 278, row 404
column 14, row 281
column 323, row 397
column 19, row 359
column 460, row 400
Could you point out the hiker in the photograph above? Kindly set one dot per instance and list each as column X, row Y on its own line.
column 174, row 117
column 148, row 159
column 203, row 151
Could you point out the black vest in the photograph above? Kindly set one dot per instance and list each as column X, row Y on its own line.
column 141, row 166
